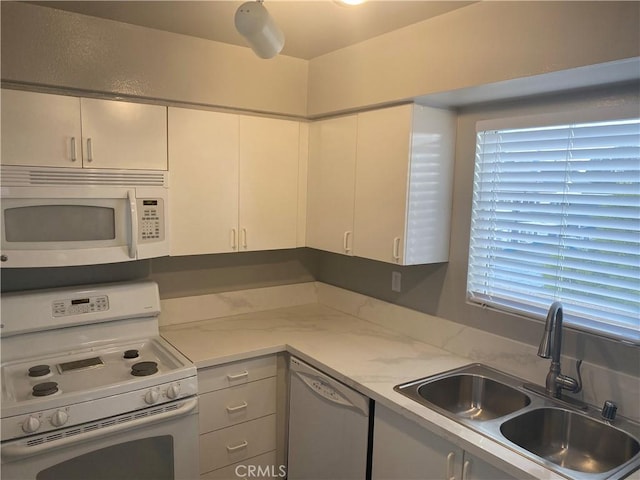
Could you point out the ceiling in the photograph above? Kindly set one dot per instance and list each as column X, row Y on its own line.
column 311, row 27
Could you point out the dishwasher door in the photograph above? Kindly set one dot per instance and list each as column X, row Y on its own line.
column 328, row 427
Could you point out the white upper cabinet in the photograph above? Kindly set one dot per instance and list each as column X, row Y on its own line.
column 203, row 175
column 123, row 135
column 269, row 156
column 234, row 182
column 380, row 184
column 40, row 129
column 331, row 184
column 404, row 174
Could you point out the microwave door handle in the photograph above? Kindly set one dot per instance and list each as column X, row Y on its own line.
column 133, row 245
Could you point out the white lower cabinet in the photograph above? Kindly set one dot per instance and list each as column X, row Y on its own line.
column 260, row 467
column 238, row 419
column 404, row 450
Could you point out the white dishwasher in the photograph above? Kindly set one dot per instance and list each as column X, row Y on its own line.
column 328, row 427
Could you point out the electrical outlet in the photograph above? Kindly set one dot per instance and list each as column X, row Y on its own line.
column 396, row 281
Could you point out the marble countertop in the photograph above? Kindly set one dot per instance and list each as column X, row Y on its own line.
column 361, row 354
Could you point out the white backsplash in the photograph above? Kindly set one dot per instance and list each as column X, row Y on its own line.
column 226, row 304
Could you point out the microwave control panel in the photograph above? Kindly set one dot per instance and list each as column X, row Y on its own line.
column 151, row 220
column 77, row 306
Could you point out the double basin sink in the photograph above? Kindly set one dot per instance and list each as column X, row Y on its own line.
column 572, row 441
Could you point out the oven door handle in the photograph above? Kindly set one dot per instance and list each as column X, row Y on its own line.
column 18, row 451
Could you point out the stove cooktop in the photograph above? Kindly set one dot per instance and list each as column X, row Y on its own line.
column 92, row 372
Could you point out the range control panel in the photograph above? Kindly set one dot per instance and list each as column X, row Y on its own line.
column 78, row 306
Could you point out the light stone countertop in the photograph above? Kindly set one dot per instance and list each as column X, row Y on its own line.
column 361, row 354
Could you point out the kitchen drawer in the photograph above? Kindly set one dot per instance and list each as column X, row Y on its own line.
column 233, row 405
column 261, row 467
column 238, row 443
column 236, row 373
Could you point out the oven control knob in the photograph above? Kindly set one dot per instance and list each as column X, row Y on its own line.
column 151, row 397
column 173, row 391
column 59, row 418
column 31, row 424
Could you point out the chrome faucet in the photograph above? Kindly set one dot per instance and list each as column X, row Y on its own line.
column 550, row 348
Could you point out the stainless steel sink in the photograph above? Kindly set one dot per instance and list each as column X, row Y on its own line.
column 472, row 395
column 571, row 440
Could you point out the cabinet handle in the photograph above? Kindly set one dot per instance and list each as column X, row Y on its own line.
column 396, row 248
column 73, row 149
column 89, row 151
column 240, row 446
column 450, row 473
column 465, row 470
column 238, row 376
column 237, row 408
column 244, row 238
column 233, row 239
column 345, row 242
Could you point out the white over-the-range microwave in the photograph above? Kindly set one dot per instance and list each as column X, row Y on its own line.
column 52, row 217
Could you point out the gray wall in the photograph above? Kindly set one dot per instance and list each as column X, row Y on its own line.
column 180, row 276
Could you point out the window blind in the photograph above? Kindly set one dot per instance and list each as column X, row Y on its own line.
column 556, row 216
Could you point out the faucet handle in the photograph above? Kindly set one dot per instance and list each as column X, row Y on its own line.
column 609, row 410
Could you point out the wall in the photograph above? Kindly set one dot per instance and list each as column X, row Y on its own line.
column 49, row 47
column 180, row 276
column 440, row 289
column 483, row 43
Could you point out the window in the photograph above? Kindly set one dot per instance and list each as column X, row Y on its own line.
column 556, row 216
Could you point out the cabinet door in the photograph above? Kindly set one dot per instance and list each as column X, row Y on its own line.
column 476, row 469
column 203, row 174
column 382, row 168
column 123, row 135
column 403, row 449
column 40, row 129
column 331, row 187
column 268, row 183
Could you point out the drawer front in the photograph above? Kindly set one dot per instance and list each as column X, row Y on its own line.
column 262, row 467
column 234, row 405
column 238, row 443
column 236, row 373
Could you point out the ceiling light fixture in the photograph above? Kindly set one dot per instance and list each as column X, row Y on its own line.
column 259, row 29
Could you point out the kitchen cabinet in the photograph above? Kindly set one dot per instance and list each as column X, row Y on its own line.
column 268, row 217
column 234, row 182
column 393, row 171
column 403, row 449
column 331, row 187
column 404, row 173
column 203, row 175
column 41, row 129
column 237, row 416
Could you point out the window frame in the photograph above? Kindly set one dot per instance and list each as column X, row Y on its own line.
column 600, row 113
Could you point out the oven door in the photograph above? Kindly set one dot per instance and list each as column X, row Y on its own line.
column 158, row 443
